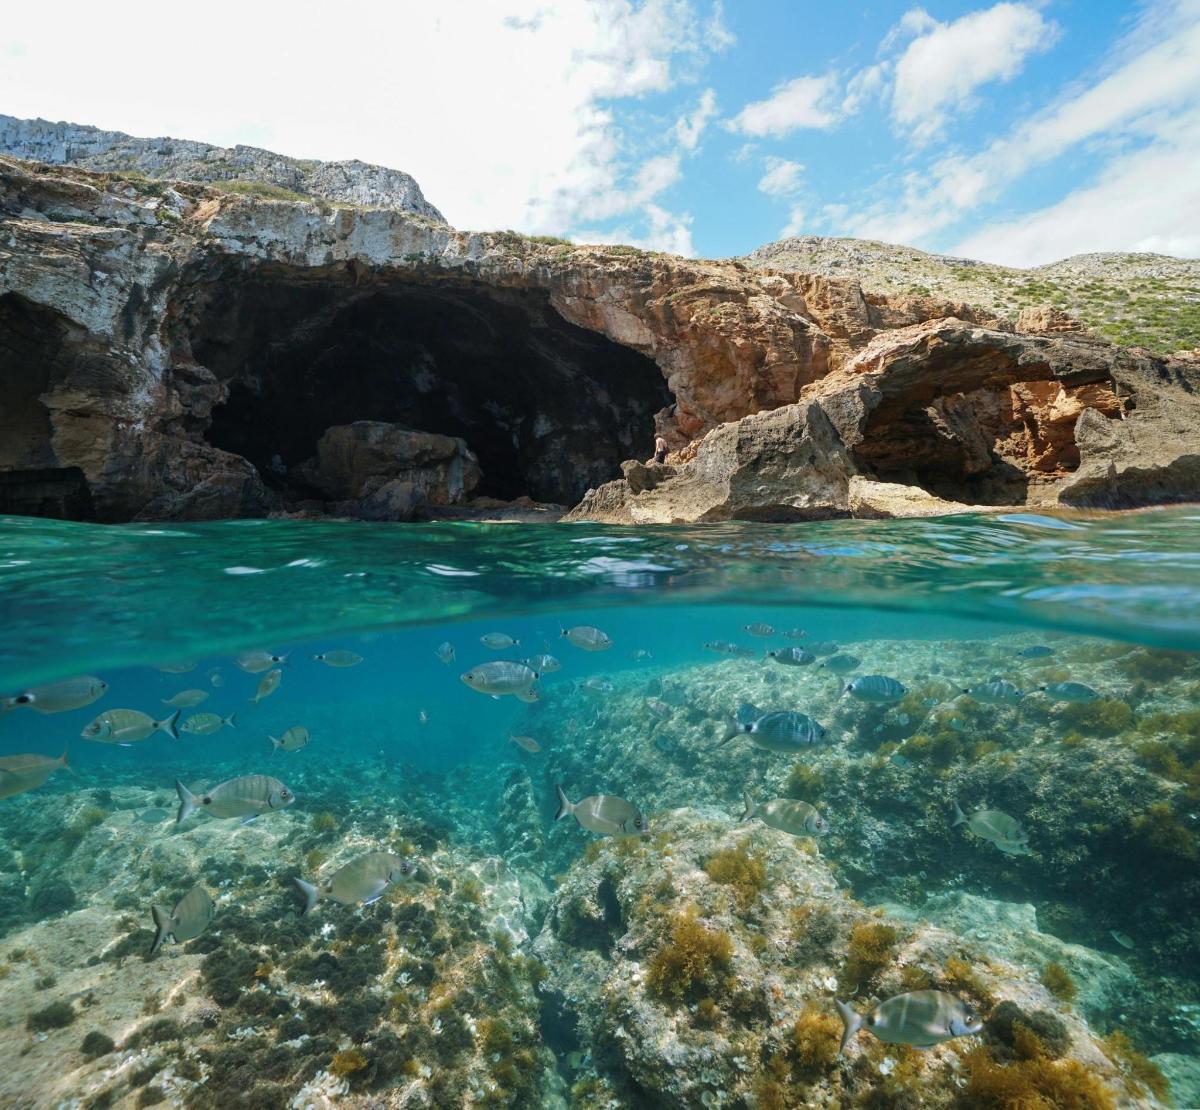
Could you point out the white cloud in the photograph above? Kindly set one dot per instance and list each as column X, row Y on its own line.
column 796, row 224
column 941, row 68
column 800, row 102
column 689, row 128
column 502, row 109
column 782, row 178
column 867, row 84
column 665, row 231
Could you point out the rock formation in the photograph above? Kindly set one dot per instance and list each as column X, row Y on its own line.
column 173, row 350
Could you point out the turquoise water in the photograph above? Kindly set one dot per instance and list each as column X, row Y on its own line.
column 268, row 1007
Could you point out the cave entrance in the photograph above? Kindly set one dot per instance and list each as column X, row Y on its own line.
column 549, row 408
column 31, row 339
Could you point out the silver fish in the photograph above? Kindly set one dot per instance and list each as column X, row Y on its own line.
column 793, row 657
column 423, row 717
column 176, row 668
column 794, row 634
column 1123, row 939
column 1037, row 651
column 255, row 662
column 659, row 708
column 127, row 726
column 59, row 697
column 598, row 685
column 500, row 677
column 876, row 689
column 995, row 692
column 246, row 797
column 842, row 663
column 759, row 629
column 28, row 771
column 186, row 699
column 797, row 818
column 587, row 638
column 497, row 641
column 362, row 880
column 205, row 724
column 722, row 647
column 216, row 679
column 747, row 652
column 605, row 814
column 822, row 647
column 779, row 732
column 747, row 713
column 339, row 658
column 530, row 696
column 526, row 743
column 445, row 653
column 918, row 1018
column 187, row 921
column 1074, row 692
column 292, row 740
column 640, row 655
column 997, row 827
column 267, row 685
column 543, row 664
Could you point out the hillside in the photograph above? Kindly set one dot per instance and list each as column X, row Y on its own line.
column 1148, row 300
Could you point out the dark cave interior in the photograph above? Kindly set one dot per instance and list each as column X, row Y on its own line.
column 549, row 408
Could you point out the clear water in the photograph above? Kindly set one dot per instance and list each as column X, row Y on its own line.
column 1109, row 798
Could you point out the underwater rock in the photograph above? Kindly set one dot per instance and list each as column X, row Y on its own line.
column 1183, row 1073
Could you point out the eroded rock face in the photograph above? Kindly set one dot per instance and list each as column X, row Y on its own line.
column 166, row 342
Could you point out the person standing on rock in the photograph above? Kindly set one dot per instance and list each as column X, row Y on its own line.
column 660, row 451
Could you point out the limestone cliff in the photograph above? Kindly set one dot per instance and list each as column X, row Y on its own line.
column 171, row 350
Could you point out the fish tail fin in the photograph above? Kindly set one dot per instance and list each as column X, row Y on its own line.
column 960, row 818
column 62, row 761
column 275, row 744
column 748, row 812
column 561, row 632
column 231, row 720
column 187, row 802
column 851, row 1023
column 565, row 806
column 311, row 895
column 162, row 927
column 169, row 725
column 732, row 729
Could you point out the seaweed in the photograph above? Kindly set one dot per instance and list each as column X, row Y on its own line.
column 55, row 1016
column 812, row 1045
column 867, row 952
column 1057, row 980
column 692, row 957
column 1105, row 717
column 1012, row 1031
column 347, row 1062
column 51, row 896
column 744, row 873
column 1138, row 1068
column 958, row 975
column 1032, row 1084
column 1164, row 835
column 804, row 783
column 96, row 1044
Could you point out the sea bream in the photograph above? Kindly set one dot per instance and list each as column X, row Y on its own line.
column 587, row 638
column 786, row 815
column 205, row 724
column 722, row 647
column 823, row 647
column 267, row 685
column 875, row 689
column 779, row 732
column 919, row 1018
column 58, row 697
column 605, row 814
column 362, row 880
column 27, row 771
column 793, row 657
column 292, row 740
column 1076, row 693
column 187, row 921
column 543, row 664
column 128, row 726
column 526, row 743
column 759, row 629
column 997, row 827
column 247, row 797
column 445, row 653
column 995, row 692
column 255, row 662
column 500, row 677
column 497, row 641
column 186, row 699
column 339, row 657
column 842, row 663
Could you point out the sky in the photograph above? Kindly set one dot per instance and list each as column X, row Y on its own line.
column 1017, row 132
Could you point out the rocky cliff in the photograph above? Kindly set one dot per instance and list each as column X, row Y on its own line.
column 172, row 350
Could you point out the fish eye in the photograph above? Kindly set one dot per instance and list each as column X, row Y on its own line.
column 23, row 699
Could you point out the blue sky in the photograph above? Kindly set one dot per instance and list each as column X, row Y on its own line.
column 1019, row 132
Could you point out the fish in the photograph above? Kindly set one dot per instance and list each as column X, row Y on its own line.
column 875, row 689
column 1074, row 692
column 786, row 815
column 362, row 880
column 500, row 677
column 27, row 771
column 498, row 641
column 255, row 662
column 640, row 655
column 445, row 653
column 186, row 699
column 918, row 1018
column 526, row 743
column 823, row 647
column 1122, row 939
column 598, row 685
column 191, row 916
column 779, row 732
column 246, row 796
column 605, row 814
column 292, row 740
column 997, row 827
column 587, row 638
column 176, row 668
column 759, row 629
column 721, row 647
column 747, row 652
column 995, row 692
column 529, row 696
column 543, row 664
column 423, row 717
column 340, row 657
column 1036, row 651
column 127, row 726
column 267, row 685
column 793, row 657
column 842, row 663
column 152, row 816
column 658, row 708
column 794, row 634
column 747, row 713
column 205, row 724
column 216, row 679
column 59, row 697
